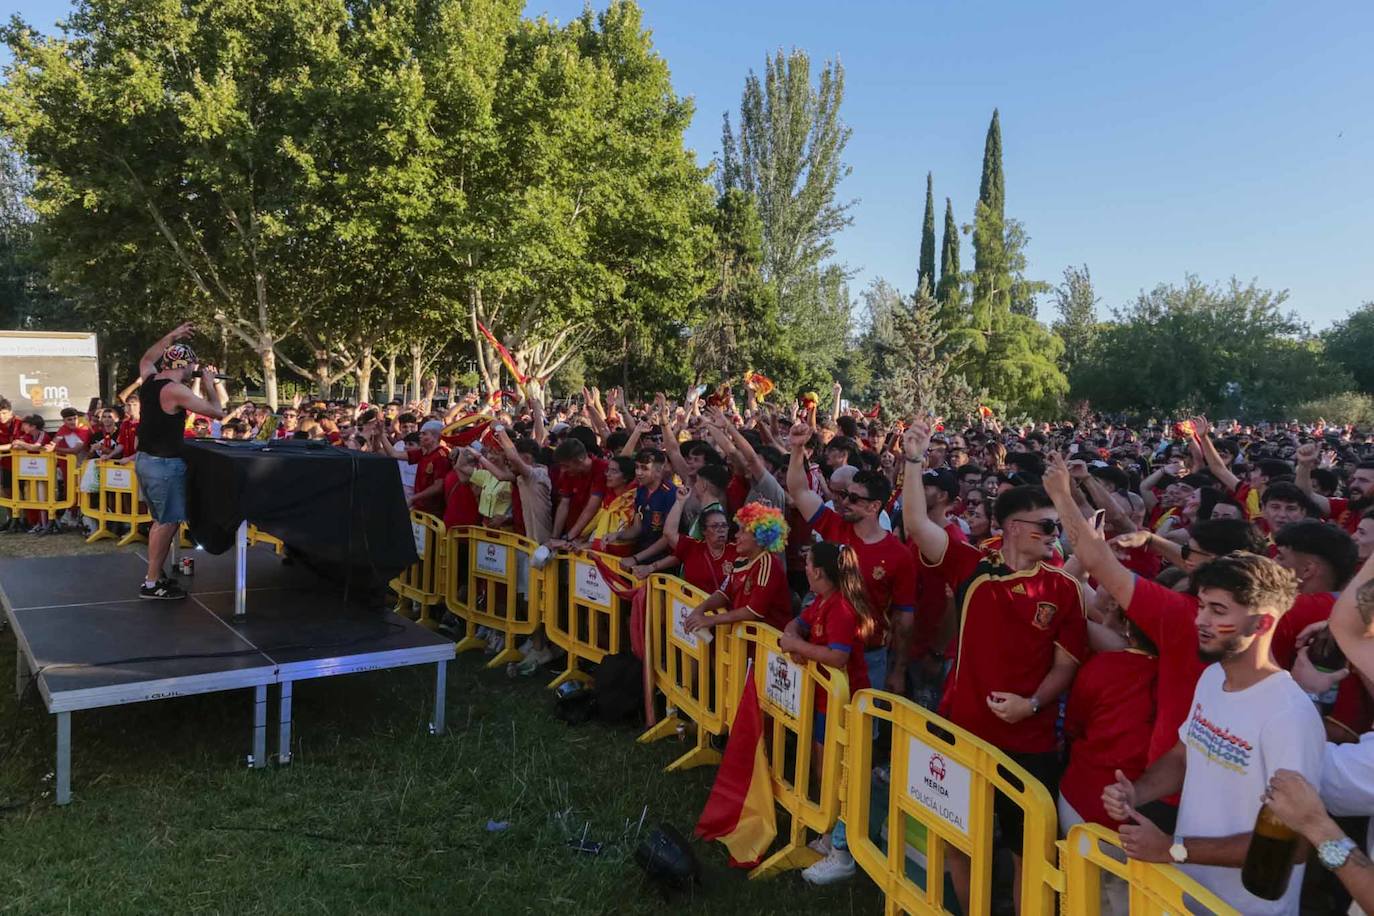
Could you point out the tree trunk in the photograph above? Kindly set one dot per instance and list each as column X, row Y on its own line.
column 268, row 355
column 364, row 375
column 322, row 385
column 417, row 352
column 391, row 375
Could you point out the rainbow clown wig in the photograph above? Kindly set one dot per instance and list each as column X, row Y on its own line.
column 765, row 524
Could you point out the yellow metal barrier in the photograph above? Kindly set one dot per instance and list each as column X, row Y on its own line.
column 583, row 615
column 689, row 669
column 1153, row 890
column 117, row 500
column 787, row 698
column 492, row 583
column 35, row 482
column 943, row 779
column 255, row 537
column 423, row 582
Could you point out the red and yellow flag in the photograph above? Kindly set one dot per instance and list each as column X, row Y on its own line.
column 761, row 384
column 506, row 358
column 739, row 811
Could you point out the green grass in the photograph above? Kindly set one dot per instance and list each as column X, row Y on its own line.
column 373, row 816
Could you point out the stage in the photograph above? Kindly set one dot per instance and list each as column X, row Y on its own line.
column 84, row 640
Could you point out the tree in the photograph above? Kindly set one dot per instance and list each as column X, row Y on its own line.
column 1076, row 303
column 788, row 153
column 926, row 273
column 989, row 218
column 1350, row 345
column 912, row 361
column 951, row 289
column 1226, row 350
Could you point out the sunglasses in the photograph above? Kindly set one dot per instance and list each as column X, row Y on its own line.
column 853, row 497
column 1047, row 526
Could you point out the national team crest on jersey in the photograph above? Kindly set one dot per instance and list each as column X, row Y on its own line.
column 1044, row 614
column 878, row 573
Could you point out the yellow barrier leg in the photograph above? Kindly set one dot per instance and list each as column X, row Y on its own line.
column 426, row 619
column 700, row 756
column 470, row 641
column 796, row 854
column 666, row 726
column 100, row 533
column 572, row 674
column 133, row 537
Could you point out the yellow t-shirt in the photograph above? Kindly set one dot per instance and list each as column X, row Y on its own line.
column 493, row 497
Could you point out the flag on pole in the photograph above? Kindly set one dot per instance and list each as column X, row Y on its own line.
column 506, row 358
column 739, row 811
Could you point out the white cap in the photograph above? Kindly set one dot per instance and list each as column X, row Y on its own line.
column 432, row 426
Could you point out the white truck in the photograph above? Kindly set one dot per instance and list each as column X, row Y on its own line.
column 44, row 371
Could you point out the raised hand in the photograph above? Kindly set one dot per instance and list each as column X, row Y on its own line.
column 799, row 435
column 916, row 440
column 1308, row 454
column 1057, row 479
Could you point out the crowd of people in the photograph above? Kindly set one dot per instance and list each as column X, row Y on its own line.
column 1141, row 615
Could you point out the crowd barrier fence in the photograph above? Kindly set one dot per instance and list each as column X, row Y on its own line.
column 943, row 781
column 493, row 582
column 583, row 615
column 1092, row 852
column 257, row 536
column 115, row 501
column 689, row 669
column 788, row 698
column 41, row 482
column 424, row 581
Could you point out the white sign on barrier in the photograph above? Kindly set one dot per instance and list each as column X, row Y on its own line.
column 33, row 467
column 681, row 611
column 491, row 558
column 782, row 684
column 939, row 785
column 589, row 586
column 419, row 532
column 117, row 478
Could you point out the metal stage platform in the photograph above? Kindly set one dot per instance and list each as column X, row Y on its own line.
column 84, row 643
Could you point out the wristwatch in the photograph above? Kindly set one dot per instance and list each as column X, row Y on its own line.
column 1178, row 852
column 1334, row 853
column 1034, row 705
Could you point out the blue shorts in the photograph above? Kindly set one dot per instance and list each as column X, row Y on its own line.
column 163, row 483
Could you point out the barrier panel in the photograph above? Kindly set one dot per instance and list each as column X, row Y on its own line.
column 788, row 694
column 256, row 537
column 689, row 669
column 423, row 582
column 116, row 501
column 492, row 583
column 1151, row 889
column 41, row 481
column 941, row 792
column 583, row 615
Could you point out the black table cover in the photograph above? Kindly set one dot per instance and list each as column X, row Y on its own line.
column 331, row 504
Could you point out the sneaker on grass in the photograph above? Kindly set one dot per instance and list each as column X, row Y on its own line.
column 835, row 867
column 162, row 590
column 821, row 844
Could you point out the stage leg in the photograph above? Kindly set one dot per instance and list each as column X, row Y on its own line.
column 284, row 726
column 436, row 726
column 258, row 759
column 241, row 570
column 64, row 758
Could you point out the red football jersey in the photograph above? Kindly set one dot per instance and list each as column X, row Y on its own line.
column 888, row 570
column 932, row 599
column 1169, row 618
column 1351, row 710
column 1108, row 720
column 1011, row 622
column 699, row 568
column 832, row 622
column 760, row 585
column 1343, row 515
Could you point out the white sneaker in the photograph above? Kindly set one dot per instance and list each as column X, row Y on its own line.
column 883, row 774
column 526, row 647
column 821, row 844
column 835, row 867
column 496, row 642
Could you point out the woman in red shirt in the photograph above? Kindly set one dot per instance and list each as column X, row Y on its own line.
column 460, row 501
column 833, row 630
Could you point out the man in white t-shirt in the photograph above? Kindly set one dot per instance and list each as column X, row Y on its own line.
column 1249, row 719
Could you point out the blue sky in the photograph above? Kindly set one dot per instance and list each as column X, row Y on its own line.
column 1220, row 138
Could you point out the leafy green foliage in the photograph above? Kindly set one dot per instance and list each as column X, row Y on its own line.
column 1076, row 303
column 1343, row 407
column 926, row 274
column 1350, row 345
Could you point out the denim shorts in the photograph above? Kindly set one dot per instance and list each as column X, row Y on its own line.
column 163, row 482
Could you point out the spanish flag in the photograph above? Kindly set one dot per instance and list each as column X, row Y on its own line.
column 506, row 357
column 739, row 811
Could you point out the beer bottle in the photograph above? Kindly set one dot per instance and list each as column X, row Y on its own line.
column 1269, row 860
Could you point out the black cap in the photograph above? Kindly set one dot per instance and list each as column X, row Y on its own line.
column 944, row 479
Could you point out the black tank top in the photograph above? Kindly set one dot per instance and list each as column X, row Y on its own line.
column 159, row 433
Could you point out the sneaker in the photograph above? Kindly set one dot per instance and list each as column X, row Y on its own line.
column 526, row 647
column 883, row 774
column 821, row 844
column 496, row 642
column 162, row 591
column 837, row 866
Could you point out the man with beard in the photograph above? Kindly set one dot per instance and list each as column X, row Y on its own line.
column 1247, row 717
column 165, row 369
column 1347, row 511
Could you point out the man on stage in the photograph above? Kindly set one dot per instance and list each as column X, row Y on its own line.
column 165, row 369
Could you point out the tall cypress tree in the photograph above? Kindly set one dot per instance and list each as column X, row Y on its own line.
column 992, row 190
column 949, row 290
column 991, row 285
column 925, row 277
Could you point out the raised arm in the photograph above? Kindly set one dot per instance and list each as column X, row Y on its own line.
column 1308, row 455
column 1352, row 620
column 672, row 525
column 674, row 450
column 807, row 501
column 147, row 365
column 930, row 538
column 1094, row 553
column 1224, row 475
column 539, row 433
